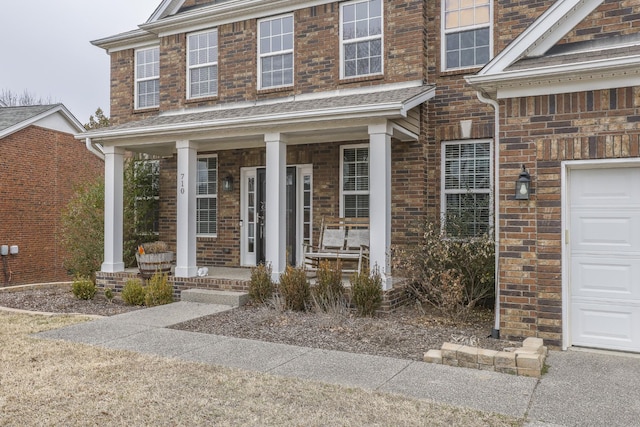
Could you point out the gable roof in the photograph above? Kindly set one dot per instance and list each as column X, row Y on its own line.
column 13, row 119
column 533, row 64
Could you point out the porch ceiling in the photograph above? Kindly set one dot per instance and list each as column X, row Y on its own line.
column 311, row 118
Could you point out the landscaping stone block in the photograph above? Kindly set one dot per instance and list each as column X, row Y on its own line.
column 535, row 344
column 464, row 364
column 450, row 350
column 433, row 356
column 505, row 359
column 467, row 354
column 450, row 362
column 529, row 360
column 526, row 372
column 486, row 367
column 486, row 357
column 505, row 370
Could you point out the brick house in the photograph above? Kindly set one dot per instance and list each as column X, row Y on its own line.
column 270, row 115
column 41, row 165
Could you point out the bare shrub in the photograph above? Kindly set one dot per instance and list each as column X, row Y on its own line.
column 158, row 290
column 261, row 285
column 328, row 292
column 294, row 288
column 367, row 292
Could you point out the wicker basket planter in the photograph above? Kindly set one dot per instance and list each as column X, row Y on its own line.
column 149, row 264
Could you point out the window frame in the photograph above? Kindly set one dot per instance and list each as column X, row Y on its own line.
column 444, row 191
column 215, row 64
column 281, row 52
column 444, row 32
column 139, row 80
column 207, row 196
column 344, row 192
column 360, row 39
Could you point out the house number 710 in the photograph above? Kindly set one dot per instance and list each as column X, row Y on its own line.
column 181, row 183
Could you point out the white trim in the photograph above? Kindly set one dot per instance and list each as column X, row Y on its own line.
column 444, row 32
column 130, row 40
column 354, row 192
column 138, row 80
column 208, row 196
column 361, row 39
column 565, row 176
column 56, row 108
column 282, row 52
column 247, row 260
column 205, row 65
column 543, row 33
column 301, row 171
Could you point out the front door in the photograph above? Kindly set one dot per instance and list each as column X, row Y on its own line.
column 298, row 213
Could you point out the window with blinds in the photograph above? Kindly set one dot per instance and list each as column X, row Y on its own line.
column 355, row 181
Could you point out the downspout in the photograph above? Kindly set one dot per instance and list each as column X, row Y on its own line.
column 495, row 332
column 91, row 147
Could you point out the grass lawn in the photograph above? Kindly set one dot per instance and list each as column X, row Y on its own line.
column 45, row 382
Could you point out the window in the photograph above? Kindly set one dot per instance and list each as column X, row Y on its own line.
column 148, row 78
column 202, row 64
column 355, row 182
column 147, row 196
column 466, row 184
column 467, row 33
column 207, row 196
column 275, row 52
column 361, row 38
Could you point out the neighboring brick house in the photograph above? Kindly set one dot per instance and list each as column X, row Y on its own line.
column 376, row 108
column 41, row 165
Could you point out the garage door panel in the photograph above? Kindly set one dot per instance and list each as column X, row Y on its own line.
column 604, row 187
column 610, row 326
column 598, row 231
column 604, row 245
column 602, row 277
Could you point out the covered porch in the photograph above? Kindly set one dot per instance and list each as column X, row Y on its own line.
column 273, row 131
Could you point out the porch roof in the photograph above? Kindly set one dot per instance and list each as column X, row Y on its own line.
column 342, row 109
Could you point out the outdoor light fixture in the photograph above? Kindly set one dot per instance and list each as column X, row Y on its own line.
column 522, row 185
column 227, row 183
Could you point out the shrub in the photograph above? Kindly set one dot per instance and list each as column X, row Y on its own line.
column 133, row 292
column 261, row 285
column 452, row 274
column 108, row 294
column 328, row 292
column 158, row 290
column 83, row 288
column 294, row 288
column 367, row 292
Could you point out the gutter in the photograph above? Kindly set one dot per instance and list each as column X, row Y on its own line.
column 92, row 148
column 495, row 332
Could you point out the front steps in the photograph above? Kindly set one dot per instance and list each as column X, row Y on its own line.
column 208, row 296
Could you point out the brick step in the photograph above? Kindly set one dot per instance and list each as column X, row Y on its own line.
column 209, row 296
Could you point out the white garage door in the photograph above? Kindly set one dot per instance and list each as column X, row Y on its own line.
column 604, row 215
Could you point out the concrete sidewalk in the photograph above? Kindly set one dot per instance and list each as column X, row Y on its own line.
column 579, row 389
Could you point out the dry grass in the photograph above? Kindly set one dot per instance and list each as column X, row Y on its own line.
column 46, row 382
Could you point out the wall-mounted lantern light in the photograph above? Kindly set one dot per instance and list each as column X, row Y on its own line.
column 227, row 183
column 522, row 185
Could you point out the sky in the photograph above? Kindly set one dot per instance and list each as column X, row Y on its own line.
column 45, row 48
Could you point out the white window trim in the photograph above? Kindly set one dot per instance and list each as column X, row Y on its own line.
column 280, row 52
column 355, row 192
column 146, row 79
column 208, row 196
column 444, row 191
column 208, row 64
column 444, row 32
column 342, row 41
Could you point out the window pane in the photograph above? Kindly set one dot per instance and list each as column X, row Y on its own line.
column 362, row 20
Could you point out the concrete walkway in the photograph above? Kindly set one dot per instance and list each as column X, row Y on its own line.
column 580, row 389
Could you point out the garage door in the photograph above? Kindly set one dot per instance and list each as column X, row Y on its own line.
column 604, row 215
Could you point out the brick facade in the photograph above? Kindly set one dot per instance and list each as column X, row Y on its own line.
column 40, row 171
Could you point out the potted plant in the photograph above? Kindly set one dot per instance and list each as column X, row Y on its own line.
column 153, row 257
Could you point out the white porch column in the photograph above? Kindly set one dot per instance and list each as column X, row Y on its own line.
column 113, row 209
column 380, row 199
column 275, row 204
column 186, row 265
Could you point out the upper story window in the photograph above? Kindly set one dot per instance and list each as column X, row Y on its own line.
column 148, row 77
column 202, row 64
column 207, row 196
column 354, row 167
column 361, row 38
column 467, row 33
column 466, row 182
column 275, row 52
